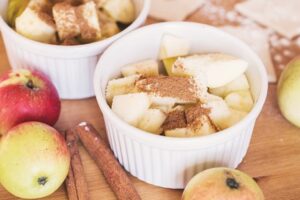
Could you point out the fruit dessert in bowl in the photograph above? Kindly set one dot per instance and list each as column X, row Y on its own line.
column 183, row 98
column 178, row 103
column 64, row 38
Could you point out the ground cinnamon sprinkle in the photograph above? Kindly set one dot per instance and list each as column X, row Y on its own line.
column 182, row 88
column 175, row 119
column 47, row 19
column 88, row 32
column 190, row 117
column 193, row 114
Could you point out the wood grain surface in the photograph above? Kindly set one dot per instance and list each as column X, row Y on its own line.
column 273, row 158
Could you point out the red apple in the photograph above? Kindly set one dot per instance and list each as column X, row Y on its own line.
column 27, row 95
column 34, row 160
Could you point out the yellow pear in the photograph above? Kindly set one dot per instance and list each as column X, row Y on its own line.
column 288, row 92
column 222, row 183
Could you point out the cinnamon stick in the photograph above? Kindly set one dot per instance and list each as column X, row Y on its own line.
column 76, row 169
column 115, row 176
column 70, row 185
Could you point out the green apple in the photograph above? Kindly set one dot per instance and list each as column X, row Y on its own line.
column 222, row 183
column 288, row 93
column 34, row 160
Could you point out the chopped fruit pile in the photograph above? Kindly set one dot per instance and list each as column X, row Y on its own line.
column 69, row 22
column 198, row 94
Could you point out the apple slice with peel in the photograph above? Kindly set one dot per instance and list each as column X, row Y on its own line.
column 241, row 83
column 214, row 69
column 120, row 86
column 168, row 63
column 240, row 100
column 173, row 46
column 15, row 9
column 145, row 68
column 131, row 107
column 121, row 10
column 152, row 120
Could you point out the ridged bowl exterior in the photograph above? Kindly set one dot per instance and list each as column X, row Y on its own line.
column 169, row 168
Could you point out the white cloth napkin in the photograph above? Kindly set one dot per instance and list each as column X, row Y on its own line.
column 281, row 16
column 258, row 39
column 173, row 10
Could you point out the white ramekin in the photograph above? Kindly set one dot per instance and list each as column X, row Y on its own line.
column 71, row 68
column 171, row 162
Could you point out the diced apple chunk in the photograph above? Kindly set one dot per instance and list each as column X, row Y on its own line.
column 203, row 128
column 219, row 111
column 241, row 83
column 36, row 25
column 131, row 107
column 152, row 121
column 234, row 117
column 120, row 86
column 178, row 132
column 173, row 46
column 146, row 68
column 88, row 20
column 121, row 10
column 109, row 26
column 165, row 104
column 240, row 100
column 214, row 69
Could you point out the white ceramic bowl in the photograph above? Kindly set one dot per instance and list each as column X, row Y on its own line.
column 172, row 162
column 71, row 68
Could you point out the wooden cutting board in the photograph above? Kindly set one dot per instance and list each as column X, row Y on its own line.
column 273, row 158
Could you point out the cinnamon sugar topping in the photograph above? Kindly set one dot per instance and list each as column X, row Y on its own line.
column 182, row 88
column 175, row 119
column 191, row 117
column 66, row 20
column 193, row 114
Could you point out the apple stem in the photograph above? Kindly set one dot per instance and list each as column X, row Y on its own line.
column 30, row 84
column 232, row 183
column 42, row 180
